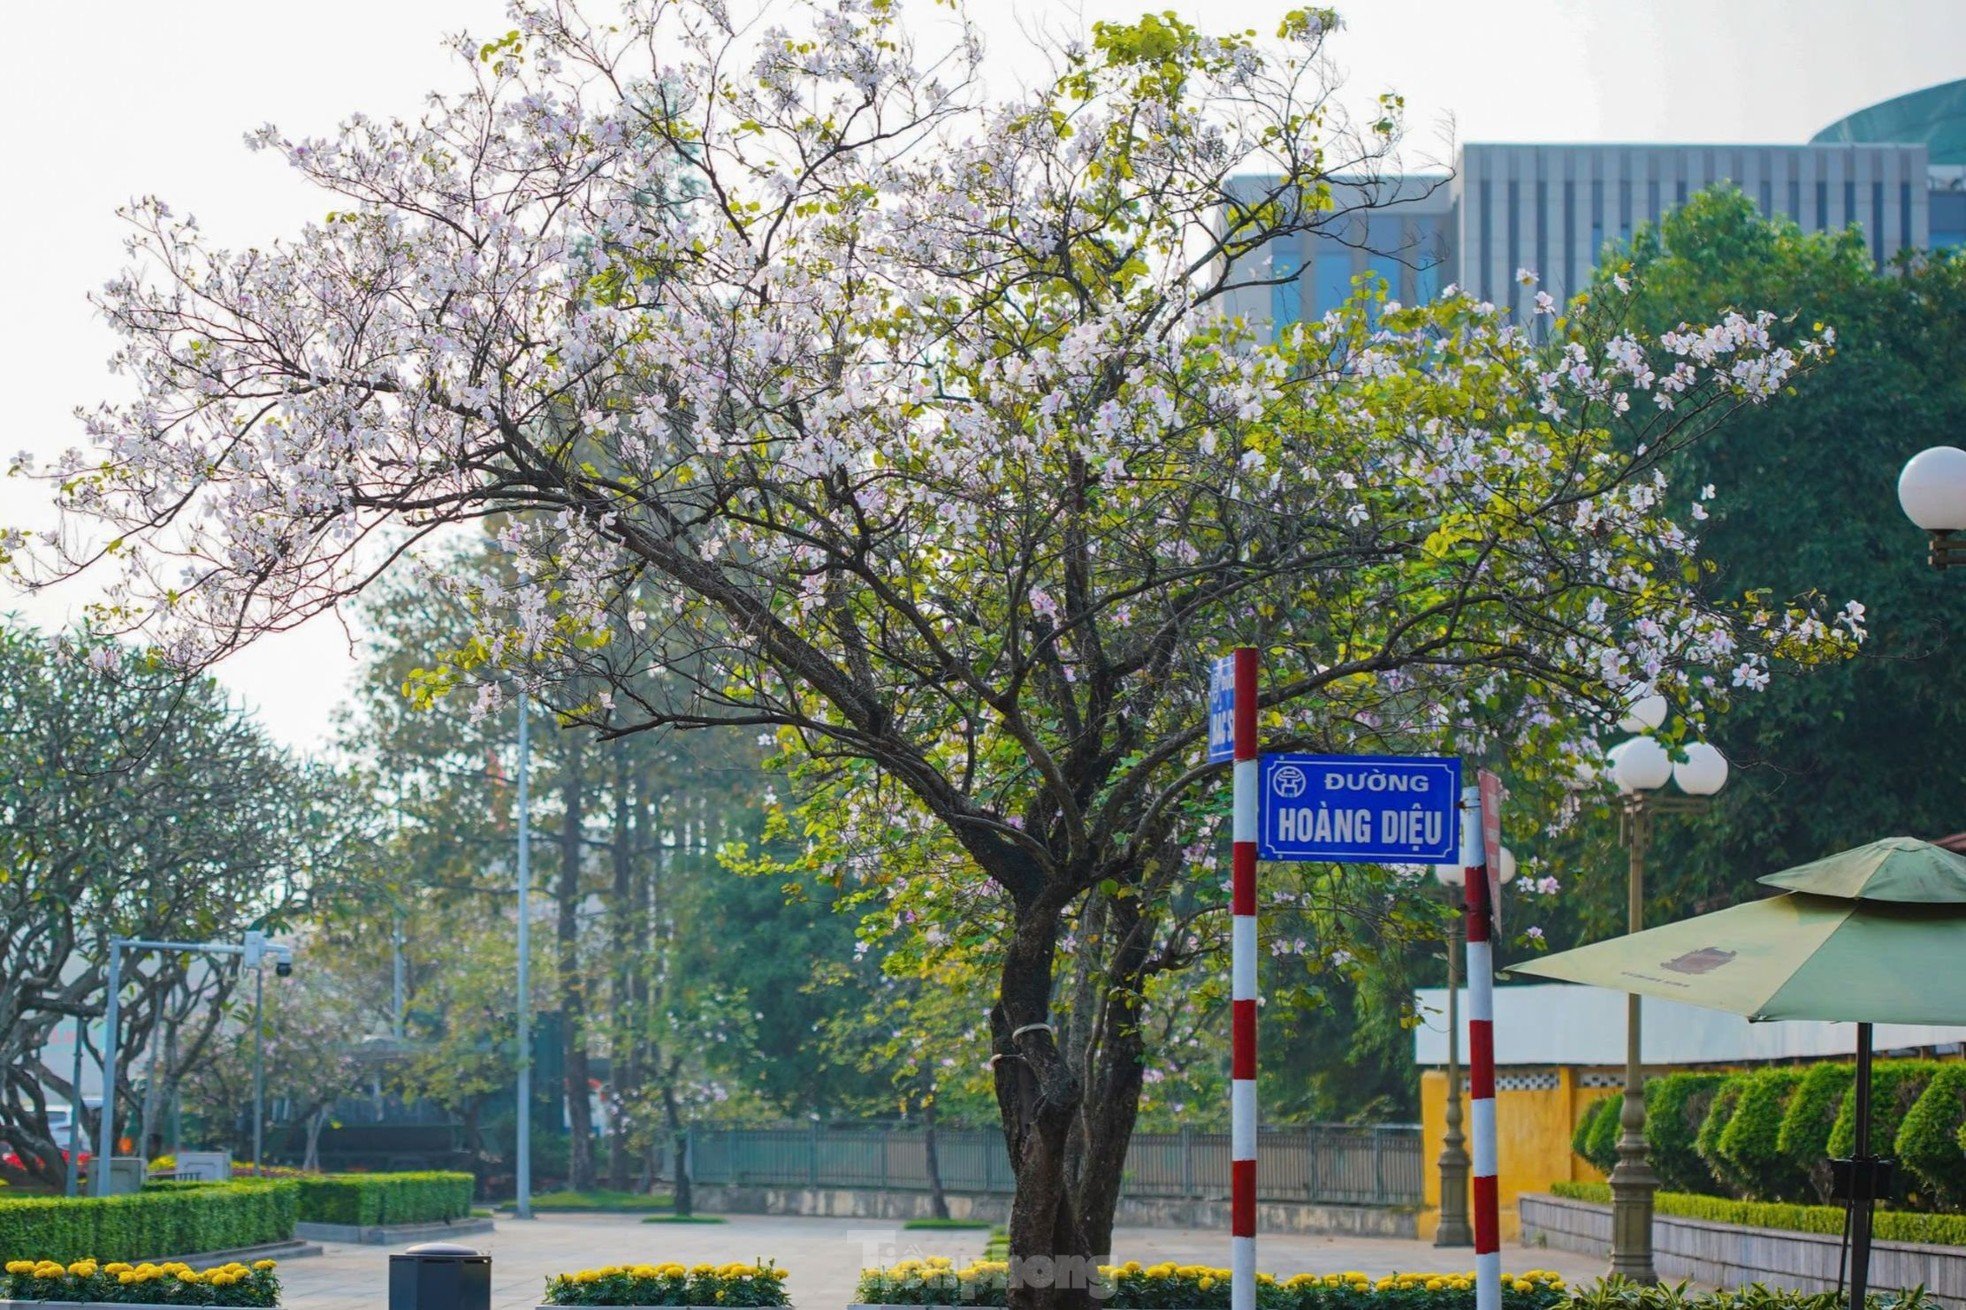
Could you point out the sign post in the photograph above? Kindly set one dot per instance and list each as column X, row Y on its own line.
column 1232, row 716
column 1481, row 1039
column 1343, row 809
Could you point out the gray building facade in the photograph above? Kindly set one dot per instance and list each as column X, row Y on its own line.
column 1552, row 209
column 1896, row 170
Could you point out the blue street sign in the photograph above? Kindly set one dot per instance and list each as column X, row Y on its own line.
column 1222, row 709
column 1359, row 809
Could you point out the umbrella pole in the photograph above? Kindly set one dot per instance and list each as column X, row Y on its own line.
column 1863, row 1176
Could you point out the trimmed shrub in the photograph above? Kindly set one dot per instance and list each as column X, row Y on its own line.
column 1707, row 1142
column 369, row 1200
column 1596, row 1138
column 1887, row 1225
column 1675, row 1107
column 146, row 1225
column 1928, row 1141
column 1806, row 1123
column 1895, row 1086
column 1750, row 1140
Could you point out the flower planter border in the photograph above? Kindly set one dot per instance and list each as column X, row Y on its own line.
column 545, row 1306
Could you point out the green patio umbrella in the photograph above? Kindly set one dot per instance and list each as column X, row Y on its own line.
column 1866, row 936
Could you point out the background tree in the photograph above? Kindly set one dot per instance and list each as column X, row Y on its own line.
column 141, row 805
column 1807, row 489
column 648, row 919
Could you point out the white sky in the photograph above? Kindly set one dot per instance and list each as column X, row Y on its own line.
column 105, row 99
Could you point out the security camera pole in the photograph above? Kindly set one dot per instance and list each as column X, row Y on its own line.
column 255, row 951
column 254, row 948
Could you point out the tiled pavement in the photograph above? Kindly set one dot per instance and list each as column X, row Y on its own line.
column 825, row 1256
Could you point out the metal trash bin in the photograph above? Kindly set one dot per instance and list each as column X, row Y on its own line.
column 439, row 1276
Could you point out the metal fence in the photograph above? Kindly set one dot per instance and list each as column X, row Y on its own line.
column 1334, row 1164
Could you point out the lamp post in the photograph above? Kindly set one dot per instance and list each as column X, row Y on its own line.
column 1453, row 1228
column 1932, row 489
column 1641, row 767
column 252, row 954
column 522, row 1164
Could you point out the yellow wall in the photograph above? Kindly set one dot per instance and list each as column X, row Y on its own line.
column 1535, row 1128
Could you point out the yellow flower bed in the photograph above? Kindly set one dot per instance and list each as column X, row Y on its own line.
column 938, row 1281
column 669, row 1284
column 169, row 1283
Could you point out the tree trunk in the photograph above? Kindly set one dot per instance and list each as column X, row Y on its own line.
column 1115, row 1071
column 1037, row 1098
column 317, row 1119
column 474, row 1137
column 573, row 1003
column 678, row 1148
column 623, row 913
column 153, row 1099
column 938, row 1200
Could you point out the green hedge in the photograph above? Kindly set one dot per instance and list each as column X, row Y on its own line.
column 367, row 1200
column 1675, row 1107
column 1806, row 1123
column 1750, row 1141
column 1719, row 1111
column 1887, row 1225
column 190, row 1221
column 1928, row 1142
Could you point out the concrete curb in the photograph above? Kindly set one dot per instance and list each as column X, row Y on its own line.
column 91, row 1305
column 391, row 1234
column 1729, row 1255
column 296, row 1249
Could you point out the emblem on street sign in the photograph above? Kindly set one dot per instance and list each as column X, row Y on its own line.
column 1359, row 809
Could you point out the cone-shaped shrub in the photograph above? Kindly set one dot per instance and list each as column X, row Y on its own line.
column 1928, row 1143
column 1596, row 1137
column 1810, row 1115
column 1675, row 1107
column 1719, row 1112
column 1750, row 1140
column 1895, row 1086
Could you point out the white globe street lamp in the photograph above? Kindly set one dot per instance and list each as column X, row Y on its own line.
column 1703, row 772
column 1644, row 714
column 1638, row 765
column 1932, row 489
column 1641, row 767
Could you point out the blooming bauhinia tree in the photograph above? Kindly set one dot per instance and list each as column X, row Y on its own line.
column 909, row 428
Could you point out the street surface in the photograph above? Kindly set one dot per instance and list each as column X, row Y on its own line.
column 825, row 1256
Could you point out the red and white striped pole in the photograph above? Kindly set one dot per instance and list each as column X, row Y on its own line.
column 1242, row 992
column 1481, row 1058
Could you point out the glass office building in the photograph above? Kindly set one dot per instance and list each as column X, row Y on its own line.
column 1897, row 171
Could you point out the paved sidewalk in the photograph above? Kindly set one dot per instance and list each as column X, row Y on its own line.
column 825, row 1256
